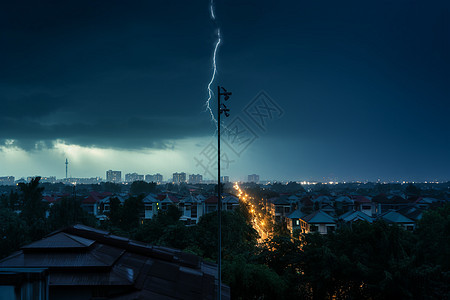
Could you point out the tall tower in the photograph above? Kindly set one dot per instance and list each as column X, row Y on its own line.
column 67, row 163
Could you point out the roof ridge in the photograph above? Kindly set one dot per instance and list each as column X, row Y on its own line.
column 71, row 236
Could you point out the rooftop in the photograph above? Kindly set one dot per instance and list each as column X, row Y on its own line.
column 81, row 257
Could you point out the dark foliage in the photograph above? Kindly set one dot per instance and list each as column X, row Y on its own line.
column 142, row 187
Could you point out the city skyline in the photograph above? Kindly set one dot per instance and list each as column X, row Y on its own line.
column 166, row 178
column 324, row 91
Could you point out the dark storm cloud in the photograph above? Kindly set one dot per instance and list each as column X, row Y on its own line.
column 102, row 74
column 53, row 42
column 126, row 133
column 33, row 106
column 360, row 82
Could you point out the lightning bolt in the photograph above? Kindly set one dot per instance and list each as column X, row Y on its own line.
column 214, row 66
column 211, row 6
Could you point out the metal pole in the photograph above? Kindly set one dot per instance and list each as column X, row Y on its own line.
column 219, row 198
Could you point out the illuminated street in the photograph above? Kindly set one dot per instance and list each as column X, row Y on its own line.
column 260, row 219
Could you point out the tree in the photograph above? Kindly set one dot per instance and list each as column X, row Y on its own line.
column 366, row 261
column 115, row 212
column 11, row 201
column 165, row 229
column 252, row 281
column 142, row 187
column 412, row 190
column 433, row 232
column 281, row 253
column 65, row 213
column 34, row 208
column 13, row 232
column 111, row 187
column 132, row 210
column 238, row 236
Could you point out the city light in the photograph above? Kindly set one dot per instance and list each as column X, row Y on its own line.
column 261, row 219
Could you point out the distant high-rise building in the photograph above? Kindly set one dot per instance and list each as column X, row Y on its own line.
column 149, row 178
column 157, row 178
column 132, row 177
column 114, row 176
column 7, row 180
column 179, row 177
column 195, row 178
column 225, row 179
column 253, row 178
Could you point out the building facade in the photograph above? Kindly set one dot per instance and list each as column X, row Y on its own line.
column 253, row 178
column 7, row 180
column 195, row 178
column 114, row 176
column 132, row 177
column 179, row 178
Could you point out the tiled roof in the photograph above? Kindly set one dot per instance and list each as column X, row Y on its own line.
column 281, row 201
column 360, row 199
column 82, row 258
column 352, row 216
column 150, row 198
column 344, row 199
column 296, row 214
column 319, row 217
column 60, row 240
column 395, row 217
column 167, row 198
column 230, row 199
column 95, row 197
column 412, row 212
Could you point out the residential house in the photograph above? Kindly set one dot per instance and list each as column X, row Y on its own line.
column 385, row 204
column 103, row 206
column 293, row 220
column 324, row 203
column 151, row 206
column 167, row 199
column 364, row 204
column 343, row 204
column 426, row 202
column 393, row 217
column 91, row 202
column 355, row 216
column 230, row 202
column 318, row 221
column 191, row 209
column 281, row 206
column 413, row 212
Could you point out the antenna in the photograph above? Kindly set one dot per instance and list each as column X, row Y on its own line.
column 67, row 163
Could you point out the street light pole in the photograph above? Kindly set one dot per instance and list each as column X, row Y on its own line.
column 219, row 199
column 221, row 108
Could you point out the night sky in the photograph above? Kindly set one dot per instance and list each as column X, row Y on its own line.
column 362, row 88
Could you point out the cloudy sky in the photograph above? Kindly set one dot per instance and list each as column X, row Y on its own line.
column 322, row 90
